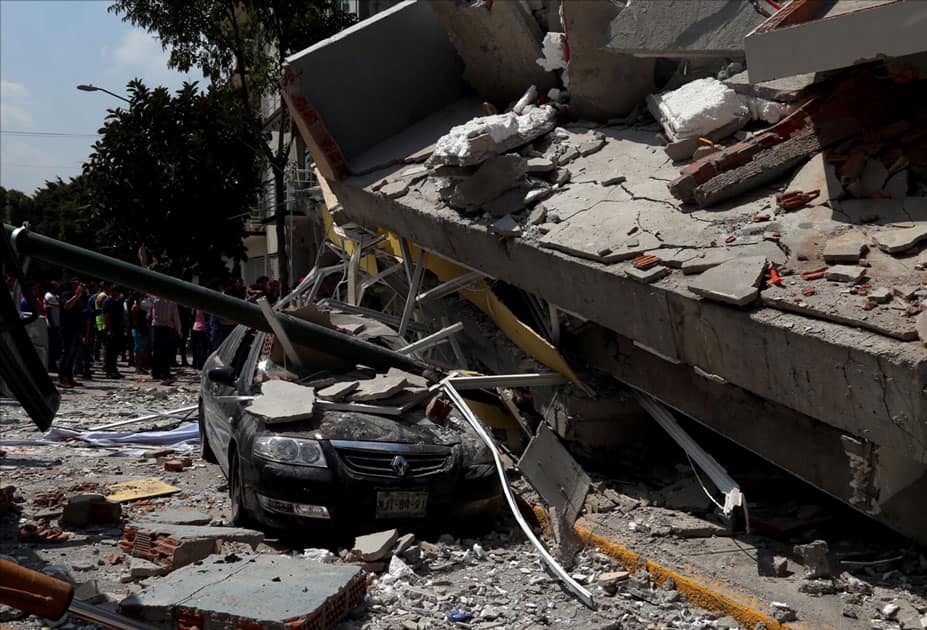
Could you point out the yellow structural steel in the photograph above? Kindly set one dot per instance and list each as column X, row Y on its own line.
column 479, row 293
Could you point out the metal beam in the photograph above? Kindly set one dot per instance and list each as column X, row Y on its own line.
column 288, row 348
column 413, row 293
column 433, row 339
column 462, row 383
column 446, row 288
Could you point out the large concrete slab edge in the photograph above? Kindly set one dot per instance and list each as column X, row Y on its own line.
column 860, row 382
column 892, row 29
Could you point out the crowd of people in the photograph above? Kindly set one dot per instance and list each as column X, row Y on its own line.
column 102, row 322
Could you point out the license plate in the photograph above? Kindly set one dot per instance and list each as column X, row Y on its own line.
column 401, row 504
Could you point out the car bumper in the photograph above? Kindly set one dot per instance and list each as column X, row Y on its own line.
column 282, row 496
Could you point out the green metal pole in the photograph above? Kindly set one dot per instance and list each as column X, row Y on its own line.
column 28, row 243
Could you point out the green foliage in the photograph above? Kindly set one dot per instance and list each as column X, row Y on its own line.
column 176, row 173
column 15, row 206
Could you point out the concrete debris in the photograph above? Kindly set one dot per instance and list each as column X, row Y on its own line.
column 267, row 591
column 338, row 391
column 538, row 215
column 900, row 240
column 845, row 250
column 373, row 547
column 90, row 509
column 554, row 54
column 881, row 295
column 845, row 273
column 610, row 580
column 482, row 138
column 816, row 558
column 506, row 226
column 282, row 401
column 735, row 281
column 383, row 386
column 528, row 98
column 174, row 546
column 921, row 324
column 494, row 177
column 785, row 90
column 649, row 275
column 180, row 516
column 395, row 189
column 698, row 108
column 818, row 174
column 686, row 29
column 540, row 165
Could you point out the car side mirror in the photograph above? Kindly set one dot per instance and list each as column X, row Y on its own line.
column 222, row 375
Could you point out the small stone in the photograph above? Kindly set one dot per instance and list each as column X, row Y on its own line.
column 611, row 181
column 782, row 612
column 562, row 176
column 540, row 165
column 890, row 611
column 173, row 465
column 845, row 273
column 536, row 195
column 726, row 623
column 395, row 189
column 373, row 547
column 404, row 543
column 610, row 581
column 701, row 152
column 506, row 226
column 881, row 295
column 538, row 215
column 850, row 611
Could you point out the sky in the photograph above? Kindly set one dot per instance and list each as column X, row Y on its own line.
column 47, row 48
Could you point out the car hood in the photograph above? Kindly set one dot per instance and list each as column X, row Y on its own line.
column 348, row 425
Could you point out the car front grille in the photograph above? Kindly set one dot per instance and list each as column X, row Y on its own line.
column 380, row 460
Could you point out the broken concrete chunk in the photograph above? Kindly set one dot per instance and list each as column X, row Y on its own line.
column 395, row 189
column 338, row 391
column 382, row 386
column 842, row 250
column 881, row 295
column 538, row 215
column 901, row 239
column 845, row 273
column 140, row 568
column 282, row 401
column 562, row 176
column 590, row 143
column 816, row 558
column 906, row 292
column 735, row 282
column 612, row 579
column 506, row 226
column 486, row 136
column 697, row 108
column 646, row 276
column 374, row 547
column 180, row 516
column 540, row 165
column 89, row 509
column 174, row 546
column 492, row 178
column 706, row 259
column 921, row 324
column 537, row 194
column 261, row 590
column 614, row 180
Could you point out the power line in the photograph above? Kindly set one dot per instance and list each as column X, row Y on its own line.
column 48, row 134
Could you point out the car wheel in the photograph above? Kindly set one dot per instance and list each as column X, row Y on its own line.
column 240, row 514
column 205, row 449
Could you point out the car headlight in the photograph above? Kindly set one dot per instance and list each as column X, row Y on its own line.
column 286, row 450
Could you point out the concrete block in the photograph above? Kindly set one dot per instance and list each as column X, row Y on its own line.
column 374, row 547
column 734, row 282
column 842, row 250
column 881, row 295
column 499, row 47
column 403, row 543
column 901, row 239
column 481, row 138
column 283, row 401
column 683, row 28
column 139, row 568
column 816, row 558
column 173, row 546
column 268, row 591
column 89, row 509
column 845, row 273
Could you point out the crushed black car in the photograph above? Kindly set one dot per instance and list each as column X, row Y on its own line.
column 348, row 463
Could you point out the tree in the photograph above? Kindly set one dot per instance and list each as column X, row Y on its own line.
column 176, row 173
column 243, row 43
column 15, row 206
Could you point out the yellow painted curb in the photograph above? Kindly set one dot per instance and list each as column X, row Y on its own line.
column 696, row 592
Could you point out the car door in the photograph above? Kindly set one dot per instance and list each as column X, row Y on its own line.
column 228, row 403
column 216, row 419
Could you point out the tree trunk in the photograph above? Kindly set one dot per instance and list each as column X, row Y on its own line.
column 283, row 259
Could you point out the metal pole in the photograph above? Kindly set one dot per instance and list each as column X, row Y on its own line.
column 306, row 333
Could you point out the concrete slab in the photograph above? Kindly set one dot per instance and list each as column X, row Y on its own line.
column 605, row 232
column 376, row 546
column 269, row 591
column 892, row 30
column 174, row 546
column 282, row 401
column 848, row 248
column 180, row 516
column 338, row 391
column 786, row 89
column 900, row 240
column 381, row 386
column 683, row 28
column 735, row 281
column 499, row 47
column 646, row 276
column 845, row 273
column 554, row 474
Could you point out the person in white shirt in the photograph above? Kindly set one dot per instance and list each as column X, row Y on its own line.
column 53, row 316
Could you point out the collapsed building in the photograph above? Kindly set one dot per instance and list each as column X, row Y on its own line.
column 688, row 203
